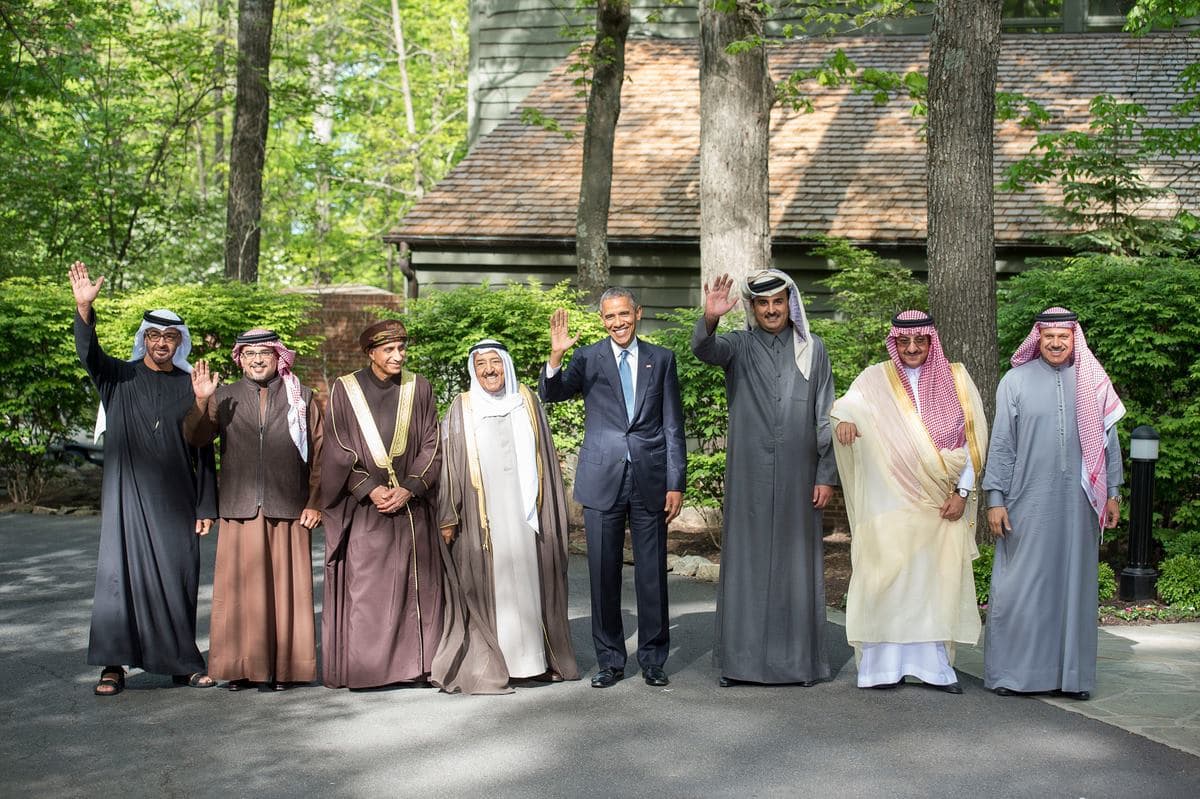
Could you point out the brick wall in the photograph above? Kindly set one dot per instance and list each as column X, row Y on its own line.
column 343, row 313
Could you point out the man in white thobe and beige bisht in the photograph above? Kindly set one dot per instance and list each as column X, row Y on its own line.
column 503, row 518
column 910, row 438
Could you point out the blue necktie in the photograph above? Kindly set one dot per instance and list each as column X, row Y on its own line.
column 626, row 383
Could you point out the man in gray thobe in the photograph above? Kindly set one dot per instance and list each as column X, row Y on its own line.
column 779, row 475
column 1053, row 478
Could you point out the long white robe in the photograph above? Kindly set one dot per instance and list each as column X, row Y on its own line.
column 912, row 583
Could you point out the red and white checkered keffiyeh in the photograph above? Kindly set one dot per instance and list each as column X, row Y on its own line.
column 1097, row 406
column 297, row 411
column 941, row 411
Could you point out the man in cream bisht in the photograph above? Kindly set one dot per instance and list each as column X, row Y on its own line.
column 503, row 517
column 1053, row 480
column 909, row 438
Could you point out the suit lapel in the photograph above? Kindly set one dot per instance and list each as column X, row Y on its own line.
column 644, row 376
column 608, row 368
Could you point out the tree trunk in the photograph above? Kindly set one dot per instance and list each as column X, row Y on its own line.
column 410, row 119
column 219, row 95
column 964, row 49
column 736, row 95
column 603, row 110
column 247, row 148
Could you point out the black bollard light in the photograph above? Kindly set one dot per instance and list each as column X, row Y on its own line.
column 1138, row 578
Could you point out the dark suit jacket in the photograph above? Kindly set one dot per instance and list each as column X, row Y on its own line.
column 657, row 451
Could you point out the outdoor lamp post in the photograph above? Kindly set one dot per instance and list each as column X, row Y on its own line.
column 1137, row 579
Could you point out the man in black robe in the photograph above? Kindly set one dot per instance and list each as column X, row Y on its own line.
column 158, row 495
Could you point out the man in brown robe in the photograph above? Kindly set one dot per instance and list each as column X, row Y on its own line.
column 270, row 429
column 503, row 516
column 383, row 565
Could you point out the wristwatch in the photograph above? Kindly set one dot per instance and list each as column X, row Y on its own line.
column 964, row 492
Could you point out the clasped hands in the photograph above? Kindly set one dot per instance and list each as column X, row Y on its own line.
column 390, row 500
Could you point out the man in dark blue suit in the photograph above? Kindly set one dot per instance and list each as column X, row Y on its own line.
column 631, row 470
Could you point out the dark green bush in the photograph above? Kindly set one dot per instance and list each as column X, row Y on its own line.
column 982, row 566
column 867, row 292
column 46, row 394
column 1179, row 580
column 1142, row 319
column 443, row 325
column 1106, row 587
column 1107, row 582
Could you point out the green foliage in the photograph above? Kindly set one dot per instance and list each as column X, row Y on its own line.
column 46, row 394
column 1106, row 584
column 701, row 386
column 1184, row 543
column 442, row 326
column 215, row 315
column 96, row 106
column 1148, row 15
column 705, row 409
column 116, row 117
column 1141, row 318
column 1100, row 173
column 42, row 396
column 1179, row 580
column 867, row 292
column 982, row 567
column 1148, row 611
column 1106, row 580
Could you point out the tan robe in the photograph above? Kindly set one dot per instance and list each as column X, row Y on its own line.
column 912, row 580
column 383, row 608
column 469, row 657
column 262, row 606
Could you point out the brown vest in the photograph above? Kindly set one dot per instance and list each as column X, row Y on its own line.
column 260, row 465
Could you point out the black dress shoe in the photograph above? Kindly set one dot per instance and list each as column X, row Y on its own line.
column 952, row 688
column 607, row 678
column 238, row 685
column 889, row 685
column 1007, row 692
column 807, row 683
column 1081, row 696
column 654, row 675
column 725, row 682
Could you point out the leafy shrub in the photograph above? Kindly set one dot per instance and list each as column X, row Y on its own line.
column 46, row 394
column 443, row 325
column 1179, row 580
column 1185, row 543
column 982, row 566
column 215, row 314
column 43, row 395
column 701, row 386
column 867, row 292
column 1107, row 580
column 1142, row 319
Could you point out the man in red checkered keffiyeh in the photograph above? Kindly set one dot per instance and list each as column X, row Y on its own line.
column 1054, row 472
column 1097, row 406
column 910, row 435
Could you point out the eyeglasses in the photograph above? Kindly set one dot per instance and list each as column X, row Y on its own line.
column 251, row 354
column 170, row 336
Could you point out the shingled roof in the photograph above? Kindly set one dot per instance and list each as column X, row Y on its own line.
column 850, row 169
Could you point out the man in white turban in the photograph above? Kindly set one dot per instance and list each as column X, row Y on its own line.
column 503, row 518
